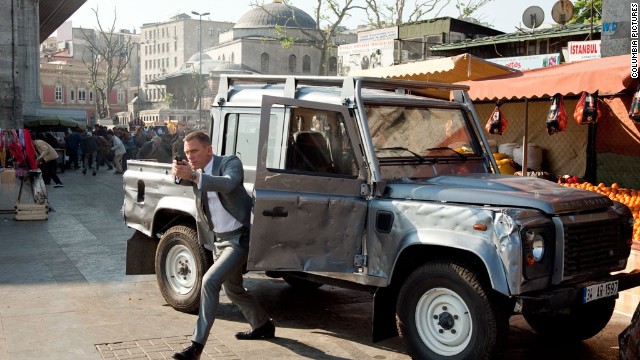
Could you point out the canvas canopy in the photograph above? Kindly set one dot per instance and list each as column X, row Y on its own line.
column 51, row 123
column 608, row 75
column 444, row 70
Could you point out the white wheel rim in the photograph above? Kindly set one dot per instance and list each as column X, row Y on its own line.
column 180, row 269
column 443, row 322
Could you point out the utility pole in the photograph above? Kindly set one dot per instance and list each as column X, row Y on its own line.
column 200, row 68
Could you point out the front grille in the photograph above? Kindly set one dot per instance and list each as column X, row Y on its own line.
column 594, row 246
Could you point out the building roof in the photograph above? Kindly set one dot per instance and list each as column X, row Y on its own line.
column 208, row 66
column 523, row 35
column 276, row 13
column 446, row 70
column 55, row 12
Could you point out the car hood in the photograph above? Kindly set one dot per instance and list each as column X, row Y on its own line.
column 499, row 190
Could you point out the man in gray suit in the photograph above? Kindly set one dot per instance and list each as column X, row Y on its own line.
column 224, row 208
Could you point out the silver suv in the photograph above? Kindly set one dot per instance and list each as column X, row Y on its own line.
column 389, row 187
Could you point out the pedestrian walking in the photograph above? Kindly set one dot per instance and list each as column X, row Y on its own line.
column 224, row 208
column 118, row 151
column 72, row 142
column 104, row 152
column 89, row 147
column 47, row 159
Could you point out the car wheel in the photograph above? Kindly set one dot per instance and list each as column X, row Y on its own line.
column 445, row 312
column 180, row 264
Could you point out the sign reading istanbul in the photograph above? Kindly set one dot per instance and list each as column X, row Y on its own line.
column 528, row 62
column 583, row 50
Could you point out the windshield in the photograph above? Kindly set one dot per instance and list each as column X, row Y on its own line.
column 409, row 131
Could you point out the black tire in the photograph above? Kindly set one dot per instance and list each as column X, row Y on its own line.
column 180, row 264
column 577, row 323
column 445, row 312
column 299, row 283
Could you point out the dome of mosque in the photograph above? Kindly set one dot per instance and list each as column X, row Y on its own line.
column 196, row 57
column 276, row 13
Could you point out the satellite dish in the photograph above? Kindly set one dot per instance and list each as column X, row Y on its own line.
column 562, row 11
column 533, row 17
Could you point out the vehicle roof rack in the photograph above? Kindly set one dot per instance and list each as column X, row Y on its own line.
column 348, row 84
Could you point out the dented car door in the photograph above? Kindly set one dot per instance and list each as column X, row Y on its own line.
column 309, row 214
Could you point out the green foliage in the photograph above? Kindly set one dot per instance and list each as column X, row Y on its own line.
column 582, row 12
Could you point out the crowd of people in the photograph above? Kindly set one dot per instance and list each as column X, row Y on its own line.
column 99, row 147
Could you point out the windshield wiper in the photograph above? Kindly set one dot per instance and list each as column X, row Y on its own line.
column 400, row 148
column 462, row 156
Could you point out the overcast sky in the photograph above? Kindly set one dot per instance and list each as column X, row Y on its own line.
column 503, row 15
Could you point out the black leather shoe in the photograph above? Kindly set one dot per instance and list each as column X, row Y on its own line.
column 266, row 331
column 191, row 352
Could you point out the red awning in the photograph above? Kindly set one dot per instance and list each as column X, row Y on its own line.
column 608, row 75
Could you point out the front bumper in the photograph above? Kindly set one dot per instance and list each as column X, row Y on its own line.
column 567, row 296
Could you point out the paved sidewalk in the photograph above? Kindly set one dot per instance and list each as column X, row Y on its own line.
column 64, row 295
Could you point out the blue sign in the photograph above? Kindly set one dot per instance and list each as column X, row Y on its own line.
column 609, row 28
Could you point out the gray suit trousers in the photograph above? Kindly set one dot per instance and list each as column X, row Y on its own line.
column 226, row 272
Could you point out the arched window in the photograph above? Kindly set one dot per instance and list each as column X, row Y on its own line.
column 306, row 64
column 293, row 64
column 264, row 63
column 232, row 57
column 223, row 58
column 333, row 65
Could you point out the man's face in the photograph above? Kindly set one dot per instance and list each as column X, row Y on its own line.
column 197, row 153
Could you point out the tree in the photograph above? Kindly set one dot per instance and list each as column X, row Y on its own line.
column 382, row 13
column 107, row 62
column 583, row 14
column 328, row 15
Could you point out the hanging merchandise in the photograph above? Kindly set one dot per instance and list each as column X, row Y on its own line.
column 497, row 123
column 587, row 110
column 557, row 118
column 634, row 113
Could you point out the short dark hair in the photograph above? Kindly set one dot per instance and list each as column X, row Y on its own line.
column 201, row 136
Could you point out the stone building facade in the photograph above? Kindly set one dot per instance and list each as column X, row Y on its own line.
column 165, row 46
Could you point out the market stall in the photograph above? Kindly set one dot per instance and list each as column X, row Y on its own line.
column 526, row 98
column 22, row 190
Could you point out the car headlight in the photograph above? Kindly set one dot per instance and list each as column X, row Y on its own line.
column 538, row 243
column 534, row 243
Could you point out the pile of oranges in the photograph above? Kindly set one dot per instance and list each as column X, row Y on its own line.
column 629, row 197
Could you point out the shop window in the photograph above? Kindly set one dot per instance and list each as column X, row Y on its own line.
column 293, row 63
column 306, row 64
column 264, row 63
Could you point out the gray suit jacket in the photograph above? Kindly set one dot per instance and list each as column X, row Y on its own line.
column 227, row 179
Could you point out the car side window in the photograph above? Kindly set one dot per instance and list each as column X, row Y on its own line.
column 317, row 142
column 241, row 133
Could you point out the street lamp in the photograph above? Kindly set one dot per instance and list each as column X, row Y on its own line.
column 200, row 67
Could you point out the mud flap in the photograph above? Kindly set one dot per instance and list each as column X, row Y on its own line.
column 384, row 314
column 141, row 254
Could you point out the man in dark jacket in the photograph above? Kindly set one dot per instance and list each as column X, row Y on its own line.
column 72, row 142
column 89, row 147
